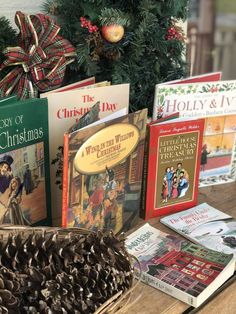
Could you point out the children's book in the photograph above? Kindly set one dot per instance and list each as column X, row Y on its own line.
column 102, row 173
column 24, row 162
column 65, row 108
column 173, row 166
column 187, row 271
column 206, row 225
column 216, row 102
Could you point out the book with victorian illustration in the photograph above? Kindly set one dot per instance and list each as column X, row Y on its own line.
column 67, row 105
column 102, row 173
column 24, row 162
column 173, row 166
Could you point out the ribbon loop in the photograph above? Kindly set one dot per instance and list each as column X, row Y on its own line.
column 40, row 58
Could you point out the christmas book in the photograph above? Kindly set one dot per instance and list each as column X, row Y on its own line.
column 173, row 166
column 66, row 106
column 207, row 226
column 24, row 162
column 102, row 172
column 187, row 271
column 216, row 103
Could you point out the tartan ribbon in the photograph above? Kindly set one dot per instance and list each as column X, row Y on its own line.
column 40, row 59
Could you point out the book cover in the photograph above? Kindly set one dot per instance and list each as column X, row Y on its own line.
column 24, row 163
column 216, row 102
column 173, row 166
column 67, row 107
column 206, row 225
column 204, row 78
column 184, row 270
column 103, row 174
column 9, row 99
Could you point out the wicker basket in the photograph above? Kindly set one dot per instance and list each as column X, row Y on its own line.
column 57, row 254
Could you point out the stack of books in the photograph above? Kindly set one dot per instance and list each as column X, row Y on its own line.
column 191, row 144
column 77, row 156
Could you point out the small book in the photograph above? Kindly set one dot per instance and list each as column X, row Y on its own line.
column 24, row 162
column 214, row 101
column 207, row 226
column 67, row 105
column 173, row 166
column 102, row 174
column 187, row 271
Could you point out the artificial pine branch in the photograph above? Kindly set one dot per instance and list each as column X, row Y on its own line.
column 144, row 57
column 7, row 38
column 111, row 16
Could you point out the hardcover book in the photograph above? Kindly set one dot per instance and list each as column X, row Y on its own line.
column 216, row 102
column 65, row 108
column 102, row 173
column 173, row 166
column 206, row 225
column 24, row 163
column 186, row 271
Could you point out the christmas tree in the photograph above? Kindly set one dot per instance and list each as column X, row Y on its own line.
column 134, row 41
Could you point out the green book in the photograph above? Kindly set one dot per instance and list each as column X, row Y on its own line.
column 24, row 162
column 7, row 100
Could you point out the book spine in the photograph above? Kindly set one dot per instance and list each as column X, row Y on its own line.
column 144, row 181
column 155, row 105
column 165, row 287
column 65, row 181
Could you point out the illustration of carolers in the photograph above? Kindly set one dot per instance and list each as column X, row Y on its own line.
column 13, row 213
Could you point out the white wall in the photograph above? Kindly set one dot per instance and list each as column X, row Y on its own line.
column 8, row 8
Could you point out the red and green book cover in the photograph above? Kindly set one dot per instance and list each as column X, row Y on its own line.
column 24, row 162
column 66, row 106
column 173, row 166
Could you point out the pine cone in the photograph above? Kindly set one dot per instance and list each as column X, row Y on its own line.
column 50, row 272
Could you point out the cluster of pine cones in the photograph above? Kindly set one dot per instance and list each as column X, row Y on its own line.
column 60, row 271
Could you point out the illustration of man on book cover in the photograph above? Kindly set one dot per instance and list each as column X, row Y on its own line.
column 176, row 169
column 22, row 185
column 175, row 183
column 105, row 174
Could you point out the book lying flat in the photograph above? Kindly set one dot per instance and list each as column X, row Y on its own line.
column 187, row 271
column 206, row 225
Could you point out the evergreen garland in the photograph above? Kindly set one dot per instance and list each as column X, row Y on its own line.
column 144, row 57
column 7, row 38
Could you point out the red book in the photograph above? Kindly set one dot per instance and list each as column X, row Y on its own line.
column 204, row 78
column 173, row 166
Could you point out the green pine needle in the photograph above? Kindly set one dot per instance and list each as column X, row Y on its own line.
column 111, row 16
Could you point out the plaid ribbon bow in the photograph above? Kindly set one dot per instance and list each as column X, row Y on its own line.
column 39, row 61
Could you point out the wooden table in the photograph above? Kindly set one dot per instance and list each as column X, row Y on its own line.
column 153, row 301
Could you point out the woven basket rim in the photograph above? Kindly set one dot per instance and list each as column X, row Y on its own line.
column 113, row 304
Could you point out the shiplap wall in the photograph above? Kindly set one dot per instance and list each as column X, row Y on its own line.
column 8, row 8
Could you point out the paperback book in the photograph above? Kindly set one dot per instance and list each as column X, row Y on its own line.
column 206, row 225
column 216, row 102
column 184, row 270
column 102, row 173
column 24, row 162
column 173, row 166
column 66, row 106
